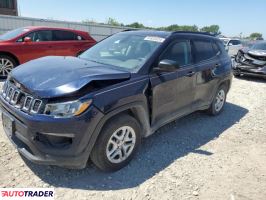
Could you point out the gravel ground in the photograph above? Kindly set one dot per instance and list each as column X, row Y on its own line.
column 196, row 157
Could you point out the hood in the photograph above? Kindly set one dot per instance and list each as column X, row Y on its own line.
column 4, row 42
column 254, row 52
column 59, row 76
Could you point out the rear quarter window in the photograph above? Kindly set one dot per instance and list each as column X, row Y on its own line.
column 220, row 46
column 203, row 50
column 64, row 35
column 216, row 48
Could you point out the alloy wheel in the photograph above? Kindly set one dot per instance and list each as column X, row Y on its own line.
column 121, row 144
column 5, row 66
column 220, row 99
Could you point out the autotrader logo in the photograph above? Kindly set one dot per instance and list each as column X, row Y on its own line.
column 27, row 193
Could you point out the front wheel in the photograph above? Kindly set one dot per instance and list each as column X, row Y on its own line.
column 218, row 102
column 7, row 63
column 117, row 143
column 236, row 73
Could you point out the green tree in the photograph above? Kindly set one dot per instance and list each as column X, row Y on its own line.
column 211, row 29
column 136, row 25
column 113, row 22
column 255, row 35
column 89, row 21
column 175, row 27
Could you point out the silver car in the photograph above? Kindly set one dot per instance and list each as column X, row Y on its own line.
column 232, row 46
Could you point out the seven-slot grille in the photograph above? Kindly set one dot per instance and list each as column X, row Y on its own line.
column 19, row 99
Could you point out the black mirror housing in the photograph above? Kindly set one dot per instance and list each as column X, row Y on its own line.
column 166, row 66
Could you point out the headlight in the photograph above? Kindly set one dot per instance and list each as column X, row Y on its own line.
column 67, row 109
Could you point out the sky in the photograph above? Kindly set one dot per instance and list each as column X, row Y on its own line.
column 233, row 17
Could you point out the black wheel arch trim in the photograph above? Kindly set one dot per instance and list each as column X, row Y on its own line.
column 140, row 112
column 11, row 55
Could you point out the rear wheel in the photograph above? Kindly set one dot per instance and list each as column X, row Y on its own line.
column 218, row 101
column 7, row 63
column 117, row 143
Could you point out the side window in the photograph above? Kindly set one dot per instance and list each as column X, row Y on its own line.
column 238, row 42
column 221, row 46
column 216, row 48
column 203, row 50
column 235, row 42
column 39, row 36
column 64, row 35
column 179, row 51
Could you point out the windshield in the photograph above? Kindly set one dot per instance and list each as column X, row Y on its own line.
column 259, row 46
column 12, row 34
column 125, row 51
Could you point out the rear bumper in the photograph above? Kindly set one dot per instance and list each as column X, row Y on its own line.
column 26, row 131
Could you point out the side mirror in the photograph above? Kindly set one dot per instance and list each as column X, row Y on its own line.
column 230, row 44
column 166, row 66
column 27, row 39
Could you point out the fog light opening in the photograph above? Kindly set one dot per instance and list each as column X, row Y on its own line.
column 54, row 140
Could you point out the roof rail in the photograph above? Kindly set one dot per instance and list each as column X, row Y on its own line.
column 201, row 33
column 129, row 30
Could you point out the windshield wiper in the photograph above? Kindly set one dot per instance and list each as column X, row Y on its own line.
column 92, row 60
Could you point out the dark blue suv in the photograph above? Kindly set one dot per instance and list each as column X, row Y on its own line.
column 64, row 110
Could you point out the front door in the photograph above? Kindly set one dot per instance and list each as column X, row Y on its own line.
column 40, row 46
column 173, row 92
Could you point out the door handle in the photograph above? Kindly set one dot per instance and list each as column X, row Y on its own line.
column 191, row 73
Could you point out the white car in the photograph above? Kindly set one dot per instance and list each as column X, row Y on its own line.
column 232, row 46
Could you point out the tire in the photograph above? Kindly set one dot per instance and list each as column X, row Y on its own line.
column 7, row 63
column 220, row 96
column 236, row 73
column 108, row 143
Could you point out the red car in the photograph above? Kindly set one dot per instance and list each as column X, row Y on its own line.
column 24, row 44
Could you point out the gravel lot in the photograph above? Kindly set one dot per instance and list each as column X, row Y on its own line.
column 197, row 157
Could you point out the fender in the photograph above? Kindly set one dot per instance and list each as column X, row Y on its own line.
column 139, row 110
column 11, row 55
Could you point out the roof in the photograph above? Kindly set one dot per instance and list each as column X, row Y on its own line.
column 165, row 34
column 47, row 27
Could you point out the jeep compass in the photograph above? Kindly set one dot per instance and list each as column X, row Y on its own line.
column 64, row 110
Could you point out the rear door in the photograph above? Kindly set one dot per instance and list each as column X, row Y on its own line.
column 67, row 43
column 207, row 60
column 41, row 45
column 173, row 92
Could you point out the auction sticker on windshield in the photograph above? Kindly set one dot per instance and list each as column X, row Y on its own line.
column 27, row 193
column 154, row 39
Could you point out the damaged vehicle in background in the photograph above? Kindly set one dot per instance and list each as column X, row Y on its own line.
column 251, row 61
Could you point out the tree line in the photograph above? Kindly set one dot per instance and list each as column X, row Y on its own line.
column 214, row 29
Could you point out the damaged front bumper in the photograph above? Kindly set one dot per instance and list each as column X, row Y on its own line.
column 249, row 66
column 45, row 140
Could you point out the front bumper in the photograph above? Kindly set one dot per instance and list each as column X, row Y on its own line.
column 240, row 68
column 46, row 140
